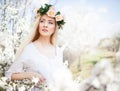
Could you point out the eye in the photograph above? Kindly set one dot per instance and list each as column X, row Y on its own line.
column 41, row 21
column 50, row 22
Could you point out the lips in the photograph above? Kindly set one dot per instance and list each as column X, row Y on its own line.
column 44, row 30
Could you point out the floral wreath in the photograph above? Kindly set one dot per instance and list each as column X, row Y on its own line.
column 50, row 11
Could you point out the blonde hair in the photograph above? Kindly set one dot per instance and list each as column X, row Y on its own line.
column 34, row 35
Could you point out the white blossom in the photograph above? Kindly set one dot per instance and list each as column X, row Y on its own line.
column 35, row 80
column 22, row 88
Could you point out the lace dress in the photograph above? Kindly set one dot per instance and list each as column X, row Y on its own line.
column 57, row 76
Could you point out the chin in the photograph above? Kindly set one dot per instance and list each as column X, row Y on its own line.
column 47, row 35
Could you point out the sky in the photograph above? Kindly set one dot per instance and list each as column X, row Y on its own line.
column 112, row 6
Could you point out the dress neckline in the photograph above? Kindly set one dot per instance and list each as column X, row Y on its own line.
column 45, row 55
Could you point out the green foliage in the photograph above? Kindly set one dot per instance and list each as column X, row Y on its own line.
column 60, row 23
column 44, row 10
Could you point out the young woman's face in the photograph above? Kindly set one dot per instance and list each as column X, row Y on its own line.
column 46, row 26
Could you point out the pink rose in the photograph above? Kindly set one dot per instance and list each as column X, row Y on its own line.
column 59, row 17
column 51, row 12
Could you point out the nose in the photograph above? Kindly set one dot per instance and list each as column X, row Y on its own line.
column 45, row 25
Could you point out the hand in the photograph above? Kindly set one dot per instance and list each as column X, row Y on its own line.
column 41, row 78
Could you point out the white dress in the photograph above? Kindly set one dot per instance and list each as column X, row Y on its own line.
column 57, row 76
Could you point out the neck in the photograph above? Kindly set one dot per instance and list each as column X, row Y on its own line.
column 45, row 41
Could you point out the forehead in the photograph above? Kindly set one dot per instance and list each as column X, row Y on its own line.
column 46, row 17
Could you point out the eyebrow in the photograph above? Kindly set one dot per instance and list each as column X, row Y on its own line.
column 48, row 20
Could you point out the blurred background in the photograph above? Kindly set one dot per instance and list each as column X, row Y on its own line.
column 90, row 38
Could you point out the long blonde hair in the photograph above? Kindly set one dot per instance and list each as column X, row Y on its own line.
column 34, row 35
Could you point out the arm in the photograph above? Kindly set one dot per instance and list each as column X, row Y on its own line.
column 22, row 75
column 28, row 75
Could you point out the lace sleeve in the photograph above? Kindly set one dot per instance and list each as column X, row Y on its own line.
column 18, row 65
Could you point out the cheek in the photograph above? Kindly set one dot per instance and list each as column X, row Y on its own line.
column 40, row 27
column 52, row 29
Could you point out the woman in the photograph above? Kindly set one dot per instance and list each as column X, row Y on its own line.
column 41, row 57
